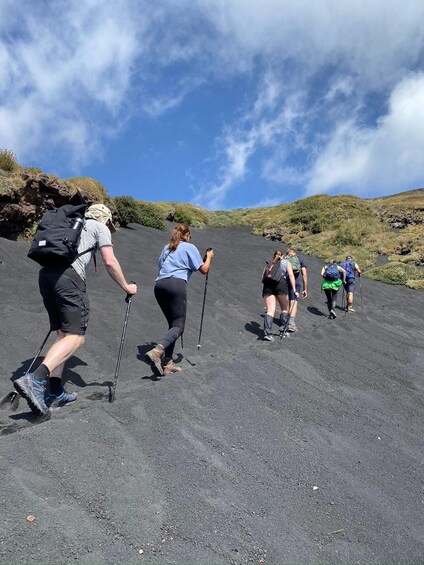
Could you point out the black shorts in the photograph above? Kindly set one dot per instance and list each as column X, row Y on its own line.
column 274, row 288
column 65, row 299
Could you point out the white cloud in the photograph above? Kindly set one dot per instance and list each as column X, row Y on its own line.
column 263, row 126
column 237, row 153
column 69, row 69
column 389, row 155
column 71, row 73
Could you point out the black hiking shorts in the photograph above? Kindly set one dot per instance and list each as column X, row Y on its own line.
column 65, row 299
column 274, row 288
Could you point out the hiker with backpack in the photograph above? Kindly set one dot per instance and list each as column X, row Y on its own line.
column 62, row 283
column 300, row 273
column 276, row 277
column 352, row 269
column 177, row 262
column 333, row 277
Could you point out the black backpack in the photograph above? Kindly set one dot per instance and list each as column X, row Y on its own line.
column 58, row 236
column 272, row 272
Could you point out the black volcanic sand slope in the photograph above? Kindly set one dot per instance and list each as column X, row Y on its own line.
column 306, row 450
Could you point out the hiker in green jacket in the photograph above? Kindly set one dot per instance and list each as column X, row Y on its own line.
column 333, row 277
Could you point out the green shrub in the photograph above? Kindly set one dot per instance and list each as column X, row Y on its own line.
column 150, row 215
column 126, row 210
column 415, row 284
column 129, row 211
column 395, row 273
column 8, row 161
column 191, row 215
column 91, row 189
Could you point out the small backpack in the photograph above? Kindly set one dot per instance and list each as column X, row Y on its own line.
column 295, row 263
column 349, row 267
column 331, row 273
column 58, row 236
column 272, row 272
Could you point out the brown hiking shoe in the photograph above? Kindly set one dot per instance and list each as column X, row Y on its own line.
column 350, row 309
column 154, row 357
column 170, row 368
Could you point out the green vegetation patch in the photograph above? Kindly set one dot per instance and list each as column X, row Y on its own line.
column 129, row 211
column 397, row 273
column 91, row 189
column 184, row 213
column 8, row 161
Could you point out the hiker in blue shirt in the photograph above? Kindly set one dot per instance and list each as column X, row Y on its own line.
column 178, row 260
column 352, row 269
column 333, row 278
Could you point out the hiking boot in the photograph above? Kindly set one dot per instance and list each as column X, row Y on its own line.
column 350, row 309
column 54, row 401
column 33, row 391
column 292, row 328
column 333, row 314
column 268, row 337
column 170, row 368
column 154, row 357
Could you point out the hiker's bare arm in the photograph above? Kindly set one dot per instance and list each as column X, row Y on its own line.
column 114, row 269
column 304, row 272
column 206, row 265
column 291, row 277
column 343, row 272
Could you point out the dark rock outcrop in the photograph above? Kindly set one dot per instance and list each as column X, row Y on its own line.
column 273, row 233
column 21, row 207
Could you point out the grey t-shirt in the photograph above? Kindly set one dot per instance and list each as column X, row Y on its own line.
column 94, row 234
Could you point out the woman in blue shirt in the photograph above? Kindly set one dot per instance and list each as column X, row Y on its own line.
column 178, row 260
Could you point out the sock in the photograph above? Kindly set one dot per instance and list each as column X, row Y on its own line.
column 291, row 320
column 268, row 319
column 56, row 387
column 42, row 373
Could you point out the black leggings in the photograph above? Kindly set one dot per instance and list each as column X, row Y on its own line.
column 171, row 295
column 331, row 295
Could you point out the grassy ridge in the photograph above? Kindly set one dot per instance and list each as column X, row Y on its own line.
column 326, row 226
column 322, row 226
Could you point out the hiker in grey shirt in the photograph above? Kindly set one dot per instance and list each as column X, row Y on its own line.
column 63, row 290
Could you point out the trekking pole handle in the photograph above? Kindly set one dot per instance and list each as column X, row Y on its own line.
column 129, row 296
column 208, row 249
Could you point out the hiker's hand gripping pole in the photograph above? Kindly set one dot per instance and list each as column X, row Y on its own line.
column 204, row 300
column 128, row 300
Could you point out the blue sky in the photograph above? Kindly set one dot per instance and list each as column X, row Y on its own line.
column 222, row 103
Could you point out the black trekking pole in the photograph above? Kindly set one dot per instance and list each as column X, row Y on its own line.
column 39, row 351
column 203, row 306
column 121, row 346
column 360, row 291
column 343, row 299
